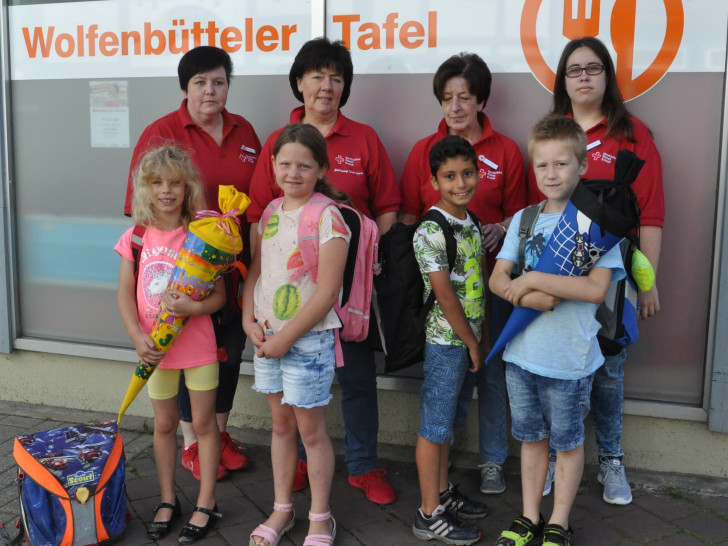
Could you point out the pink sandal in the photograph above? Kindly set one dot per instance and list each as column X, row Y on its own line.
column 269, row 534
column 321, row 540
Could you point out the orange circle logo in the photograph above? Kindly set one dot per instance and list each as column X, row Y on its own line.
column 623, row 38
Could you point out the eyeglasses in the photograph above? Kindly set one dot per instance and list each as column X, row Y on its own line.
column 591, row 69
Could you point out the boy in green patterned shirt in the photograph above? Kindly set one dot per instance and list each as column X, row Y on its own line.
column 454, row 329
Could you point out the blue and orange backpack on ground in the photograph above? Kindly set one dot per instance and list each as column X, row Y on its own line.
column 361, row 262
column 71, row 485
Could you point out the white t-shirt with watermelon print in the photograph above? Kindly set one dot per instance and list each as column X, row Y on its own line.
column 278, row 297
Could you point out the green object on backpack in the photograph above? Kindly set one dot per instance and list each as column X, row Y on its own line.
column 642, row 271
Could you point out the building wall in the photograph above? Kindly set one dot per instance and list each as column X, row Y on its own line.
column 663, row 445
column 55, row 173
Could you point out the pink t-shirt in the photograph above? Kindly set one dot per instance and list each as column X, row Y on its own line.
column 278, row 298
column 195, row 345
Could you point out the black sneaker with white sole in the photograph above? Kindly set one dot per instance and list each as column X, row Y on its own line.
column 460, row 505
column 442, row 525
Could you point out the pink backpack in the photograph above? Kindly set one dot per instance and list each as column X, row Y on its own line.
column 361, row 262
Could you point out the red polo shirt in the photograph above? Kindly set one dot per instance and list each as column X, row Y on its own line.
column 359, row 166
column 232, row 163
column 502, row 188
column 602, row 152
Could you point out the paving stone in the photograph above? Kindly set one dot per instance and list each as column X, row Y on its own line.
column 384, row 531
column 665, row 506
column 136, row 533
column 238, row 510
column 706, row 525
column 246, row 497
column 640, row 525
column 355, row 514
column 594, row 532
column 141, row 466
column 680, row 540
column 26, row 423
column 142, row 488
column 404, row 507
column 719, row 504
column 240, row 533
column 499, row 519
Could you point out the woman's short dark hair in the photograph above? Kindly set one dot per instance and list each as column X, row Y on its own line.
column 466, row 65
column 202, row 59
column 322, row 53
column 618, row 122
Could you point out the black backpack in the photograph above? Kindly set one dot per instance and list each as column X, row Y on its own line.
column 398, row 305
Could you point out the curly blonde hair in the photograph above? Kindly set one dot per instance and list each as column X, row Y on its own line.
column 180, row 167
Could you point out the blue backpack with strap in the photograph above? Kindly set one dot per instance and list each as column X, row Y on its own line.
column 618, row 314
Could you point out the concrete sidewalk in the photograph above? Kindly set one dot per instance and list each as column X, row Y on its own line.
column 667, row 509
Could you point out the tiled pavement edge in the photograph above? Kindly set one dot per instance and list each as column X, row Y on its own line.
column 667, row 509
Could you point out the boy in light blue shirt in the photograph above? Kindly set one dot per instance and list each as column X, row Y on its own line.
column 550, row 365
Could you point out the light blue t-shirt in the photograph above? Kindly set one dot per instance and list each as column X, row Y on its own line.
column 561, row 343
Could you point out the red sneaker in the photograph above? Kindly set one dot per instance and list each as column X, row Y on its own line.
column 300, row 480
column 375, row 485
column 231, row 453
column 191, row 461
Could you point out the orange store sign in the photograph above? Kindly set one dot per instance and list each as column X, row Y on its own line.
column 90, row 41
column 578, row 21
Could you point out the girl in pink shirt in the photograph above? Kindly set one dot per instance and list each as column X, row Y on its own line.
column 167, row 192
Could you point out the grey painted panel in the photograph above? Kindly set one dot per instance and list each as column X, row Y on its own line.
column 79, row 191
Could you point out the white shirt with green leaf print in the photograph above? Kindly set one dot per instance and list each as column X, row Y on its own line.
column 466, row 276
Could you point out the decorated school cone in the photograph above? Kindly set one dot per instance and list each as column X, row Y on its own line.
column 210, row 247
column 599, row 214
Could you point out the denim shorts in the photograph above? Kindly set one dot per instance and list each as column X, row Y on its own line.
column 543, row 407
column 304, row 374
column 445, row 368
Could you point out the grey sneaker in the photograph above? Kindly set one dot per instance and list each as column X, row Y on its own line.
column 550, row 476
column 492, row 479
column 616, row 486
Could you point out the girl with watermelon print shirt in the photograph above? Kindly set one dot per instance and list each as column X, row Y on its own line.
column 167, row 193
column 291, row 323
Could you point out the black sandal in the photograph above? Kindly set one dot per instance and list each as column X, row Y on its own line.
column 157, row 530
column 192, row 533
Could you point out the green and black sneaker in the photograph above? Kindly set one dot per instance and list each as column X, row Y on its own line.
column 556, row 535
column 521, row 532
